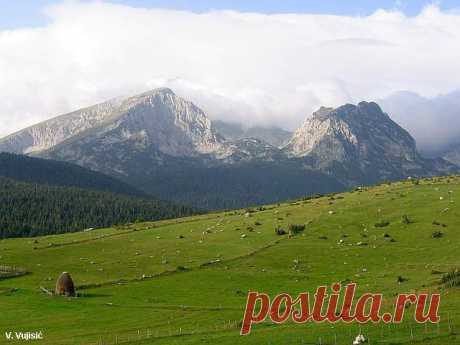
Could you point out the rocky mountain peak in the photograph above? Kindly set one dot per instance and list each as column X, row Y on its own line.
column 176, row 126
column 360, row 112
column 157, row 118
column 322, row 113
column 348, row 124
column 359, row 138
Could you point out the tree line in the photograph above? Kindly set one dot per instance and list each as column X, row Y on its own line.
column 29, row 209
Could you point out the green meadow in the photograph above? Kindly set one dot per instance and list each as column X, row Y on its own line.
column 185, row 281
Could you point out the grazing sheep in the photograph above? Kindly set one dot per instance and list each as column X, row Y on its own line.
column 360, row 339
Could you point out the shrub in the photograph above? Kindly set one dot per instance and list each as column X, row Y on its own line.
column 451, row 279
column 295, row 229
column 382, row 224
column 406, row 220
column 280, row 231
column 437, row 234
column 401, row 279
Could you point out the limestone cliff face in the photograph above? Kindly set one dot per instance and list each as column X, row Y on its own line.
column 158, row 117
column 358, row 142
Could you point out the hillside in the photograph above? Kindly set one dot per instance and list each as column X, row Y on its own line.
column 241, row 185
column 185, row 281
column 28, row 209
column 57, row 173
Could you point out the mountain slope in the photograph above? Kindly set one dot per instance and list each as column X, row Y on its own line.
column 361, row 144
column 49, row 133
column 29, row 209
column 58, row 173
column 158, row 117
column 234, row 131
column 236, row 185
column 154, row 125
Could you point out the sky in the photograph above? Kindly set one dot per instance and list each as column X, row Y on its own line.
column 256, row 62
column 27, row 13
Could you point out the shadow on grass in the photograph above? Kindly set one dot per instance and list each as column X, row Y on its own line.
column 91, row 295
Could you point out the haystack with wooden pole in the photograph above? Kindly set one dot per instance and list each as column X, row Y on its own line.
column 65, row 286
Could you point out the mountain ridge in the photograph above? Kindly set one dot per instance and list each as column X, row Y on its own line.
column 360, row 143
column 159, row 136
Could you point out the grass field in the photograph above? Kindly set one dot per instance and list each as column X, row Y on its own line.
column 185, row 281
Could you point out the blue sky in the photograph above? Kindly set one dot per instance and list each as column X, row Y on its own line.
column 29, row 13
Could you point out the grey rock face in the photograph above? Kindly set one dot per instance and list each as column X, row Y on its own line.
column 359, row 143
column 143, row 131
column 159, row 118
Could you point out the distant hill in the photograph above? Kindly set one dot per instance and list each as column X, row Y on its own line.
column 45, row 171
column 29, row 209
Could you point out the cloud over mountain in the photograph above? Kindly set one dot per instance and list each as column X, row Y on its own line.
column 249, row 67
column 434, row 122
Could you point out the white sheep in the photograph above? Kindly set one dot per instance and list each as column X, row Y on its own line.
column 360, row 339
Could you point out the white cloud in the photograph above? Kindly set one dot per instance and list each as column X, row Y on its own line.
column 434, row 122
column 249, row 67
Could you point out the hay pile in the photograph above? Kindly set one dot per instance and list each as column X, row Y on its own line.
column 65, row 286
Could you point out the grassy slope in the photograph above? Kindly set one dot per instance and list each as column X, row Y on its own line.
column 203, row 305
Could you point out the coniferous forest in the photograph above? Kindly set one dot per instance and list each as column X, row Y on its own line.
column 28, row 209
